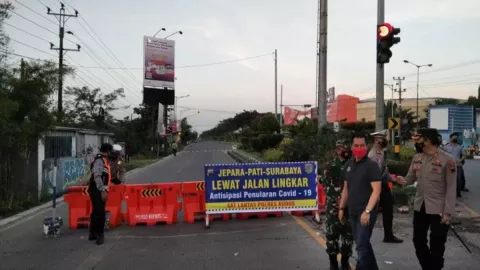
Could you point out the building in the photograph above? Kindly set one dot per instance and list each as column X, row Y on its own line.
column 460, row 119
column 74, row 149
column 366, row 109
column 351, row 109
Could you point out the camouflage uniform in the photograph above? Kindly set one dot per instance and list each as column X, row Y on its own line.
column 332, row 182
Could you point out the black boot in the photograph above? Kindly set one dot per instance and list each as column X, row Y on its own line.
column 345, row 263
column 100, row 239
column 392, row 239
column 92, row 237
column 333, row 262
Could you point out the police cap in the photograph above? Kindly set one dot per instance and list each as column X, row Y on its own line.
column 430, row 134
column 106, row 147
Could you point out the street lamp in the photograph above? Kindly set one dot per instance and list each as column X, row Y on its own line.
column 418, row 76
column 161, row 29
column 179, row 32
column 175, row 105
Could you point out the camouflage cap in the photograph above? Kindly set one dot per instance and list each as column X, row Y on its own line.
column 343, row 144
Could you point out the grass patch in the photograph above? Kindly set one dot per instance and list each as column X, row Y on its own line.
column 139, row 163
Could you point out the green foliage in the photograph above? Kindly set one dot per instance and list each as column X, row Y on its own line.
column 407, row 153
column 361, row 126
column 230, row 125
column 266, row 123
column 273, row 155
column 187, row 134
column 265, row 141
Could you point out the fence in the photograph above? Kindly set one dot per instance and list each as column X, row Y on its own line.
column 70, row 172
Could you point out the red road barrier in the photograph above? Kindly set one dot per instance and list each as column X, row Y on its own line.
column 153, row 203
column 193, row 194
column 80, row 207
column 322, row 200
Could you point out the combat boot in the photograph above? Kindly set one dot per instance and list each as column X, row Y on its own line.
column 100, row 239
column 345, row 263
column 333, row 262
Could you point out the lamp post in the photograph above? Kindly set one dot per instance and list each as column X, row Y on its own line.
column 178, row 32
column 418, row 79
column 175, row 106
column 161, row 29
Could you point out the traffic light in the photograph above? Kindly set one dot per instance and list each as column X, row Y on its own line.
column 386, row 38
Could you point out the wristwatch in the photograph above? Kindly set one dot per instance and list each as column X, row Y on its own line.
column 367, row 211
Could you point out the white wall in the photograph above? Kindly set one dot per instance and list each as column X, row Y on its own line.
column 439, row 118
column 41, row 157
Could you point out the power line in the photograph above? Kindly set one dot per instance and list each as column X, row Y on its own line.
column 26, row 32
column 46, row 29
column 36, row 12
column 108, row 51
column 26, row 45
column 197, row 65
column 208, row 110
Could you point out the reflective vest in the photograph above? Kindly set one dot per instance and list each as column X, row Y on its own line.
column 106, row 175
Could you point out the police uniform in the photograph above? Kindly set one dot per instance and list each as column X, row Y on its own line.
column 436, row 190
column 332, row 181
column 386, row 197
column 99, row 180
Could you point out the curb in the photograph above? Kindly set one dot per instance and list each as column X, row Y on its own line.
column 38, row 209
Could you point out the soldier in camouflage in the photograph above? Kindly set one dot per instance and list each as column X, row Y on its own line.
column 332, row 181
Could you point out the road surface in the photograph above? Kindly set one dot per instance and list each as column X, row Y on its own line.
column 274, row 243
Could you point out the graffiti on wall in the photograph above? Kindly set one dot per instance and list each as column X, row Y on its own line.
column 70, row 172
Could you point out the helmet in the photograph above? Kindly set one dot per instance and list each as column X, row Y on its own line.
column 343, row 144
column 117, row 148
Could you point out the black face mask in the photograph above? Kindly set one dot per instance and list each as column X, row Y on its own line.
column 455, row 140
column 346, row 154
column 419, row 147
column 382, row 143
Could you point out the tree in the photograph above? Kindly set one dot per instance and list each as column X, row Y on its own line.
column 90, row 108
column 227, row 126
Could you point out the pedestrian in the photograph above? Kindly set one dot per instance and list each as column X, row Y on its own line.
column 456, row 150
column 361, row 192
column 98, row 190
column 332, row 181
column 435, row 172
column 378, row 154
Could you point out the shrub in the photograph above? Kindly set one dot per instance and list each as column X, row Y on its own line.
column 407, row 153
column 398, row 167
column 273, row 155
column 266, row 141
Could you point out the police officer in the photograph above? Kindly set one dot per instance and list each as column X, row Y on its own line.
column 98, row 191
column 117, row 166
column 332, row 181
column 457, row 152
column 436, row 173
column 378, row 154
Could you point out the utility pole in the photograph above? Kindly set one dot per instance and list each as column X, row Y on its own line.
column 400, row 91
column 276, row 92
column 322, row 80
column 281, row 104
column 380, row 100
column 62, row 18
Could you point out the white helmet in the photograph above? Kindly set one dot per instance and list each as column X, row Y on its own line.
column 117, row 148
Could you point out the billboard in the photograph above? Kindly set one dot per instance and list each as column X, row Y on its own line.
column 159, row 62
column 261, row 187
column 290, row 116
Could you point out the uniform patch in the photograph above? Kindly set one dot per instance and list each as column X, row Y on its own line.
column 436, row 169
column 452, row 167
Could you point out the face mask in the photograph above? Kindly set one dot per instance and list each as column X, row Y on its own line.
column 346, row 154
column 454, row 140
column 359, row 152
column 419, row 147
column 382, row 143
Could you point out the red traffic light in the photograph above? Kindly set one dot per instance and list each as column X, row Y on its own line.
column 385, row 30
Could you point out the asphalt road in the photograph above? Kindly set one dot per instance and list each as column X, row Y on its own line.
column 472, row 174
column 272, row 243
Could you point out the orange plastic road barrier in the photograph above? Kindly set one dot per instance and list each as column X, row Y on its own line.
column 322, row 200
column 80, row 207
column 193, row 194
column 153, row 203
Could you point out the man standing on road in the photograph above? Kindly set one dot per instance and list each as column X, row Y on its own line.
column 457, row 152
column 435, row 172
column 98, row 191
column 332, row 181
column 378, row 154
column 362, row 188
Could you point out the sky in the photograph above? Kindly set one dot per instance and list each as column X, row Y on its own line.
column 437, row 32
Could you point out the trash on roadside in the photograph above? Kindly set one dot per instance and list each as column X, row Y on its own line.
column 388, row 262
column 404, row 209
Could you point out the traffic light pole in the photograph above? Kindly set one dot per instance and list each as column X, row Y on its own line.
column 380, row 99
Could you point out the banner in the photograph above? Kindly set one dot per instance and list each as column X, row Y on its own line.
column 159, row 62
column 261, row 187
